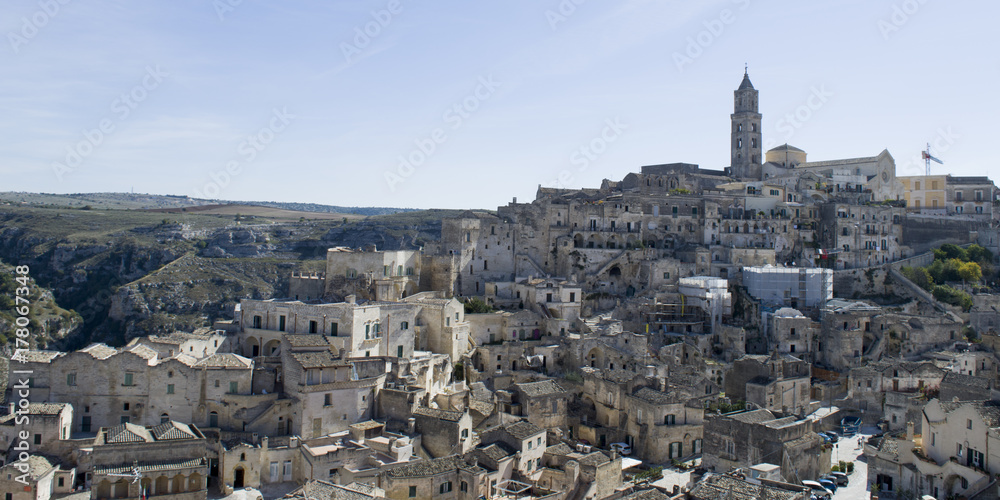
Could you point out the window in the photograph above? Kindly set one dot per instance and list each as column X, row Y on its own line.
column 128, row 379
column 313, row 327
column 257, row 321
column 170, row 388
column 217, row 383
column 413, row 492
column 124, row 419
column 71, row 379
column 333, row 329
column 463, row 486
column 968, row 423
column 399, row 351
column 61, row 481
column 669, row 420
column 445, row 487
column 164, row 418
column 465, row 433
column 213, row 419
column 125, row 407
column 327, row 399
column 675, row 449
column 572, row 296
column 38, row 439
column 404, row 325
column 959, row 452
column 85, row 425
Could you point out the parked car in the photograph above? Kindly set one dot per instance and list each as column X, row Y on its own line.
column 622, row 448
column 828, row 484
column 817, row 489
column 826, row 439
column 841, row 478
column 833, row 436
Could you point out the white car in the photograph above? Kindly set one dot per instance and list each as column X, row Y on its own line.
column 622, row 448
column 817, row 489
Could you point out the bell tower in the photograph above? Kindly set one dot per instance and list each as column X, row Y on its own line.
column 746, row 138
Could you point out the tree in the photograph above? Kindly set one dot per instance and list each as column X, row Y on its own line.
column 971, row 272
column 476, row 305
column 951, row 251
column 919, row 276
column 979, row 254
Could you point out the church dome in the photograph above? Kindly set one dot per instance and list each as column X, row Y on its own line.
column 785, row 155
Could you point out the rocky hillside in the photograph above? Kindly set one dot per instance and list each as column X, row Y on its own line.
column 128, row 273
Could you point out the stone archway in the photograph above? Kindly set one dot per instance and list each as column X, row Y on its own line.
column 271, row 347
column 177, row 484
column 252, row 347
column 238, row 479
column 161, row 486
column 104, row 489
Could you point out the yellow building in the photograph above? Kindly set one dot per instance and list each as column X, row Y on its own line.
column 924, row 192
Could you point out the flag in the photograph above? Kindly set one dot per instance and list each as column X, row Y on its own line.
column 142, row 493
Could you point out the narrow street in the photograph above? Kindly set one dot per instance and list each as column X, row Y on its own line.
column 847, row 449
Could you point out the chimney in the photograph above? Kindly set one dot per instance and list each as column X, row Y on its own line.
column 411, row 426
column 909, row 431
column 351, row 299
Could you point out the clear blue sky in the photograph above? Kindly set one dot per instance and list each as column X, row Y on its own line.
column 534, row 81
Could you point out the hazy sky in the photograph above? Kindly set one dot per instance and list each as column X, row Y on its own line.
column 314, row 101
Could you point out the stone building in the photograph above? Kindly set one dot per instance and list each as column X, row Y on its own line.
column 777, row 383
column 544, row 403
column 791, row 332
column 528, row 442
column 951, row 456
column 43, row 479
column 444, row 432
column 847, row 334
column 893, row 389
column 663, row 426
column 169, row 458
column 446, row 478
column 108, row 386
column 747, row 438
column 48, row 426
